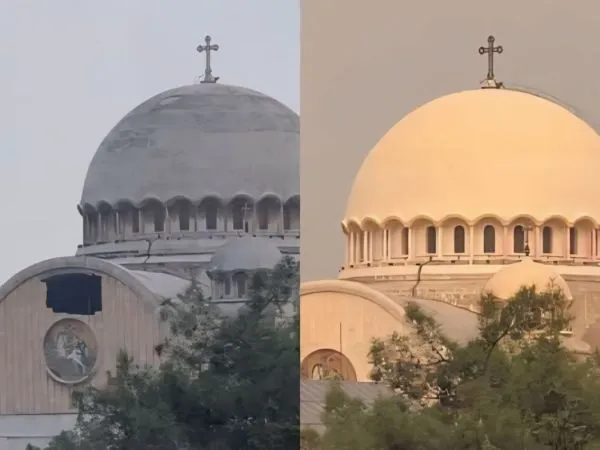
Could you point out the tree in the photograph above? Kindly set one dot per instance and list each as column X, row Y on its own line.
column 514, row 386
column 226, row 383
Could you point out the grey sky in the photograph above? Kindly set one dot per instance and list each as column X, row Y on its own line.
column 70, row 70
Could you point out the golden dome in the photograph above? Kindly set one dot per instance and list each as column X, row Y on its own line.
column 507, row 282
column 482, row 152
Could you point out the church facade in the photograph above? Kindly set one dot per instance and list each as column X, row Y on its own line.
column 478, row 191
column 198, row 182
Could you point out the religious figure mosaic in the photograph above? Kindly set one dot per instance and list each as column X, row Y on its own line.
column 327, row 365
column 71, row 351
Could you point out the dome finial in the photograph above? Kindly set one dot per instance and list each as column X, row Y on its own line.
column 490, row 80
column 208, row 76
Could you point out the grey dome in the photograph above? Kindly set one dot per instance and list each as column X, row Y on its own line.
column 246, row 253
column 197, row 141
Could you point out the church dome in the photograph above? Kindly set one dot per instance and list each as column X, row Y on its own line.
column 246, row 253
column 509, row 280
column 486, row 152
column 196, row 141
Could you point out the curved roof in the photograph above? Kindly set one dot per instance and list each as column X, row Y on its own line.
column 509, row 280
column 246, row 253
column 482, row 152
column 149, row 286
column 197, row 141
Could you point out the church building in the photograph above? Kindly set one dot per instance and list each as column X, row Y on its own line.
column 200, row 181
column 479, row 191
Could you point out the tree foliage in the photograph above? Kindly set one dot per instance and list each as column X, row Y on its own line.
column 514, row 386
column 225, row 383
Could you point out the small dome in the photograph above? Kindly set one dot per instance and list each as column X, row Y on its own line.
column 246, row 253
column 197, row 141
column 509, row 280
column 471, row 153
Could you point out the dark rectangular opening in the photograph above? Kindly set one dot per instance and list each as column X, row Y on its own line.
column 74, row 293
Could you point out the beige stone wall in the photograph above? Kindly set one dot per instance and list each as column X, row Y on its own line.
column 346, row 321
column 126, row 322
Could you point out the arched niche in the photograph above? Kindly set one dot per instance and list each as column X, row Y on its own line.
column 241, row 214
column 269, row 214
column 327, row 364
column 345, row 316
column 291, row 214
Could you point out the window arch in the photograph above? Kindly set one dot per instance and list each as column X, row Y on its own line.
column 184, row 216
column 489, row 239
column 519, row 239
column 459, row 239
column 240, row 280
column 431, row 239
column 405, row 242
column 573, row 241
column 547, row 240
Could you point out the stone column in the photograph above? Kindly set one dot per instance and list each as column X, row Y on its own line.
column 384, row 245
column 410, row 245
column 471, row 243
column 568, row 243
column 365, row 246
column 594, row 243
column 440, row 243
column 505, row 243
column 537, row 251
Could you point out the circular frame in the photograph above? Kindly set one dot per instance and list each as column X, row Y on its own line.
column 52, row 331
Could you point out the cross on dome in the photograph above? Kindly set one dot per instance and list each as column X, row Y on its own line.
column 207, row 48
column 490, row 79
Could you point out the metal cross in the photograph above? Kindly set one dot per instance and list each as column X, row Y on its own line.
column 490, row 50
column 245, row 210
column 208, row 76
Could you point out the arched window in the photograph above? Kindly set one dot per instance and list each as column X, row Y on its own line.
column 135, row 220
column 405, row 242
column 227, row 286
column 240, row 280
column 573, row 241
column 431, row 240
column 184, row 217
column 489, row 239
column 158, row 214
column 519, row 239
column 459, row 239
column 263, row 217
column 547, row 240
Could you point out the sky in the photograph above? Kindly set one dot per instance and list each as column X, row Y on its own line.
column 69, row 71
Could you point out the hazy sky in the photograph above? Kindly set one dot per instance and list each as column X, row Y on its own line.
column 70, row 70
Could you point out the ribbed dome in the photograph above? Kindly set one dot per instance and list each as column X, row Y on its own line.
column 197, row 141
column 483, row 152
column 246, row 253
column 509, row 280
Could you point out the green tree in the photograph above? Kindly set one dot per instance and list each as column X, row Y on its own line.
column 514, row 386
column 226, row 383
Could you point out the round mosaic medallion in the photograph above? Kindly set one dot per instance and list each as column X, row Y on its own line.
column 71, row 351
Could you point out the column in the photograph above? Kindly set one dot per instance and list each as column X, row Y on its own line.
column 440, row 243
column 119, row 229
column 538, row 244
column 594, row 243
column 280, row 225
column 384, row 245
column 568, row 243
column 365, row 246
column 505, row 243
column 471, row 243
column 141, row 224
column 410, row 246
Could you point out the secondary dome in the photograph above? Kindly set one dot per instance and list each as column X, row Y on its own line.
column 507, row 282
column 246, row 253
column 196, row 141
column 482, row 152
